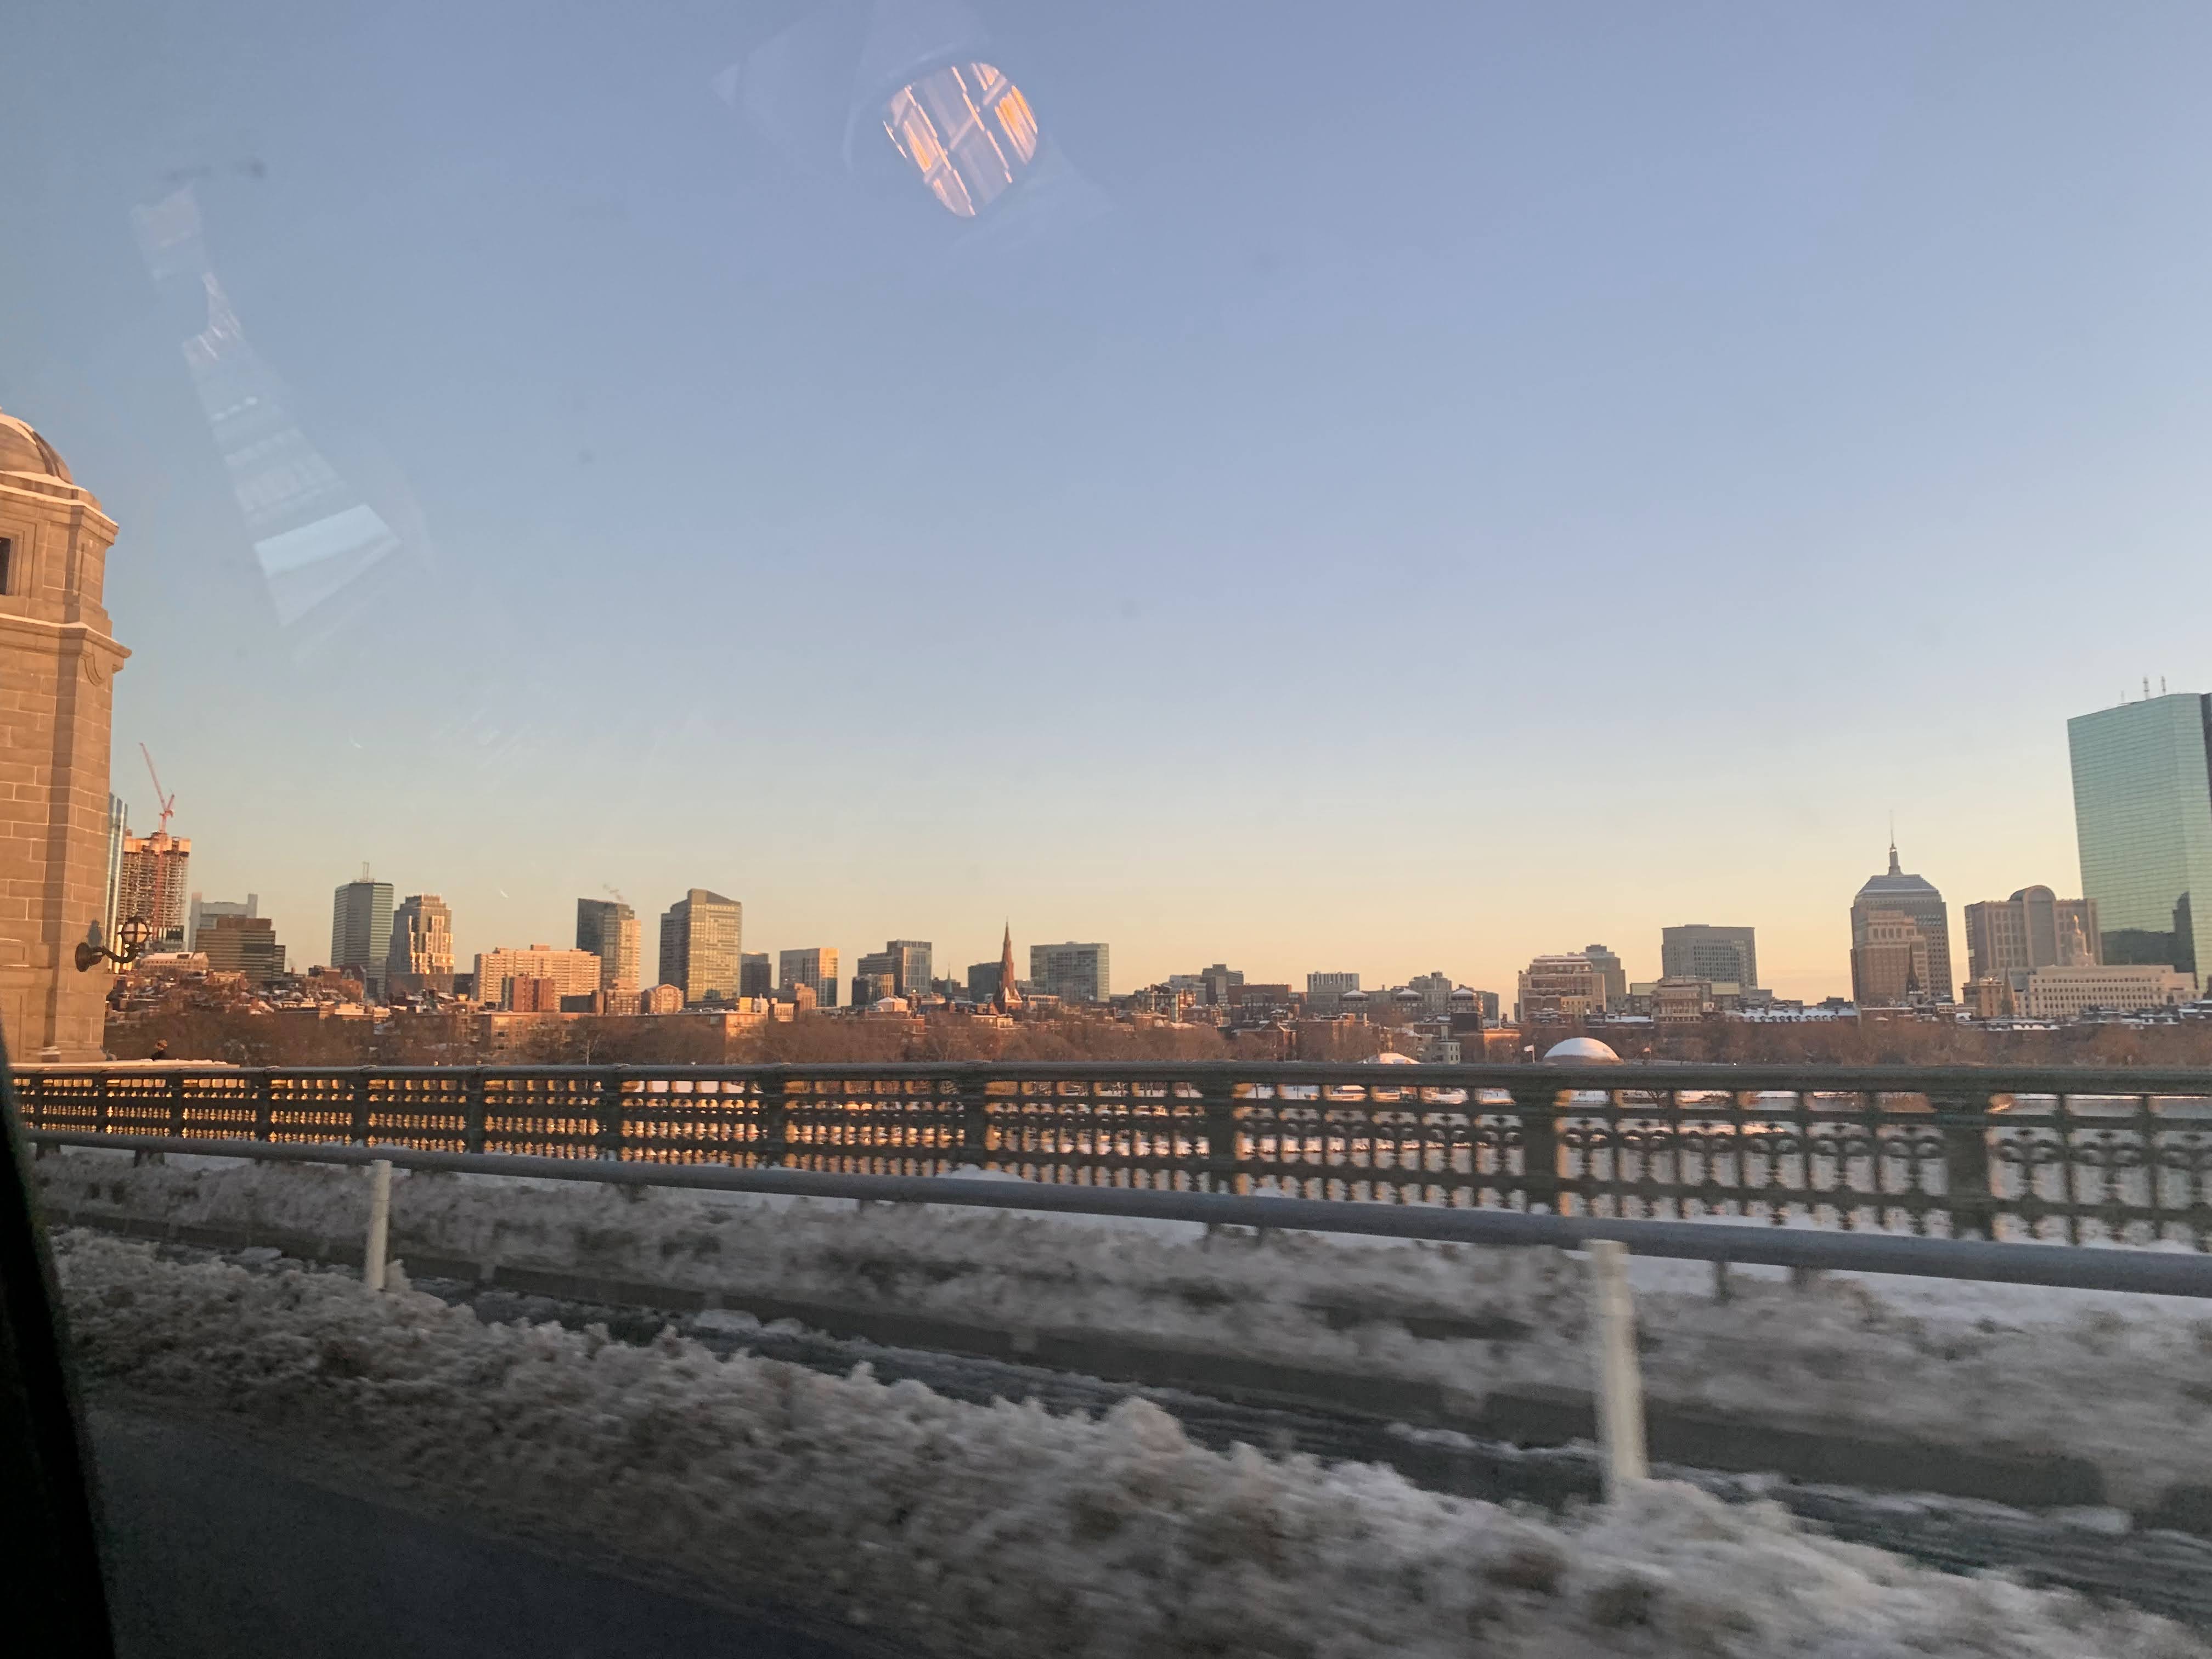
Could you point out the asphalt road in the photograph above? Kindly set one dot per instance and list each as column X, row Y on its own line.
column 217, row 1552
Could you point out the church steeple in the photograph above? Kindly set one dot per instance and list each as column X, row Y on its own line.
column 1008, row 998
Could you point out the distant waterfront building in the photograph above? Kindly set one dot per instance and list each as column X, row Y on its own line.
column 2063, row 993
column 608, row 929
column 1701, row 951
column 1436, row 990
column 569, row 973
column 870, row 986
column 1562, row 988
column 1888, row 895
column 2034, row 928
column 815, row 967
column 910, row 967
column 202, row 911
column 1072, row 972
column 662, row 999
column 982, row 983
column 1612, row 976
column 701, row 939
column 754, row 977
column 420, row 957
column 154, row 884
column 360, row 929
column 236, row 943
column 2142, row 818
column 1325, row 991
column 1217, row 981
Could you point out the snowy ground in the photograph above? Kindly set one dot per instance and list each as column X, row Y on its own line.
column 1002, row 1529
column 1970, row 1365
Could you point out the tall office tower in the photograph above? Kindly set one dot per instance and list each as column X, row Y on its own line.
column 1716, row 955
column 910, row 969
column 1892, row 963
column 2143, row 816
column 702, row 937
column 754, row 977
column 421, row 954
column 608, row 929
column 816, row 968
column 57, row 661
column 2032, row 929
column 1072, row 972
column 1324, row 991
column 1611, row 975
column 235, row 943
column 1218, row 981
column 202, row 911
column 155, row 872
column 361, row 929
column 1914, row 897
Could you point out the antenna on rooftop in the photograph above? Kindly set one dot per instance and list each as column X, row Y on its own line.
column 168, row 803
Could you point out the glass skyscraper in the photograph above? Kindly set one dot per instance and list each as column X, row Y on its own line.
column 2142, row 813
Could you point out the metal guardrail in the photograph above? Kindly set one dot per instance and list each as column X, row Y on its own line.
column 2073, row 1155
column 2161, row 1272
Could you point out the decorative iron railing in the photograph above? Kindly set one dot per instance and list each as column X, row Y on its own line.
column 2074, row 1155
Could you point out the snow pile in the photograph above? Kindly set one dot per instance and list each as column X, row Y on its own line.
column 1003, row 1530
column 1966, row 1365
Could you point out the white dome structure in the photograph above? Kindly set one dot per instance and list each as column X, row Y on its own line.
column 1580, row 1051
column 1463, row 994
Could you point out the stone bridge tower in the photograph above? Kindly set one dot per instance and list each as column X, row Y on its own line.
column 57, row 662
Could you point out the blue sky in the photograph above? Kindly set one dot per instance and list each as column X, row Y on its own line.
column 1429, row 484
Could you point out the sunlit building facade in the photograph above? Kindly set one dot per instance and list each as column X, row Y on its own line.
column 2142, row 818
column 968, row 131
column 1702, row 951
column 608, row 929
column 814, row 968
column 702, row 941
column 1898, row 892
column 1076, row 972
column 421, row 955
column 360, row 929
column 153, row 885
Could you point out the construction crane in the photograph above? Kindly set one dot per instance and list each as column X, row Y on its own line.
column 168, row 803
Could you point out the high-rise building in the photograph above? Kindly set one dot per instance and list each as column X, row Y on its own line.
column 361, row 929
column 910, row 969
column 702, row 937
column 58, row 662
column 421, row 955
column 1562, row 988
column 1611, row 975
column 754, row 977
column 2034, row 928
column 236, row 943
column 1916, row 897
column 871, row 985
column 154, row 884
column 608, row 929
column 202, row 911
column 1217, row 981
column 1717, row 955
column 982, row 983
column 569, row 974
column 815, row 967
column 1435, row 991
column 1072, row 972
column 2142, row 818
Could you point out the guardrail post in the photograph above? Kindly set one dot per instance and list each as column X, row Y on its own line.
column 971, row 1106
column 1962, row 1120
column 357, row 1105
column 380, row 1225
column 1620, row 1378
column 177, row 1105
column 264, row 1106
column 1218, row 1100
column 1537, row 1107
column 472, row 1110
column 607, row 1107
column 774, row 1122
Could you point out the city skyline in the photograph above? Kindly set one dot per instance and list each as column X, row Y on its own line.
column 1760, row 391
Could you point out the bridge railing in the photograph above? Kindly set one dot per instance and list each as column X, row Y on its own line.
column 2074, row 1154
